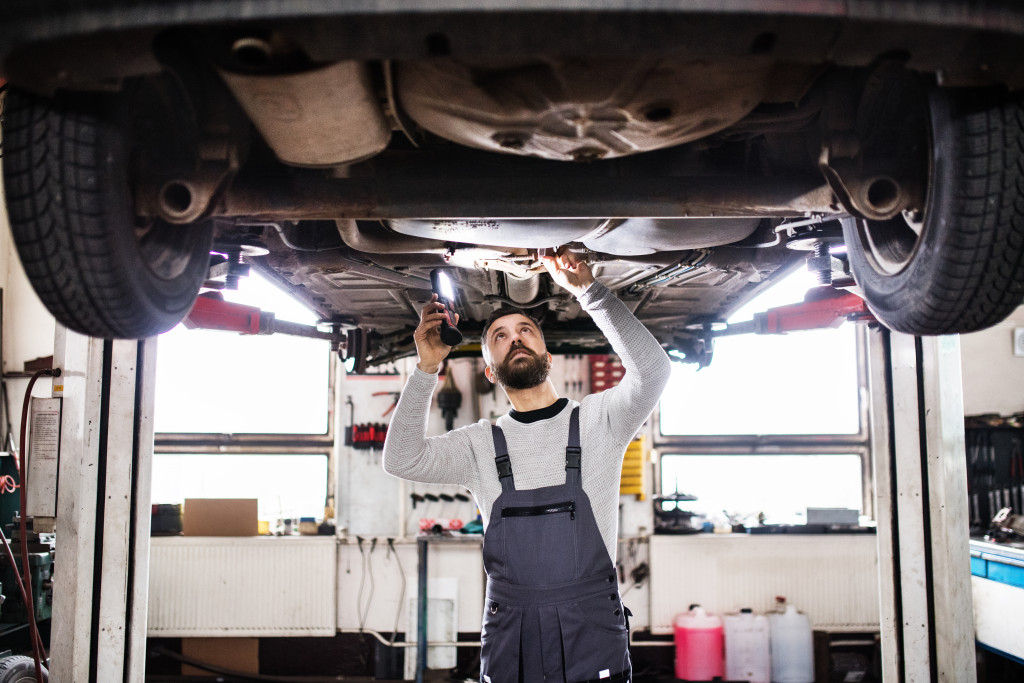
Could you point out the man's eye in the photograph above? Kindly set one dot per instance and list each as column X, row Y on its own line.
column 499, row 336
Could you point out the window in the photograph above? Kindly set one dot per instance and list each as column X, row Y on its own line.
column 798, row 383
column 773, row 426
column 210, row 381
column 246, row 416
column 781, row 487
column 286, row 486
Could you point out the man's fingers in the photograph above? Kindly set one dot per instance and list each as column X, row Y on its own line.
column 431, row 308
column 432, row 319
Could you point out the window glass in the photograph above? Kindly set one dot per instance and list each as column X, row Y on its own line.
column 286, row 486
column 797, row 383
column 210, row 381
column 780, row 486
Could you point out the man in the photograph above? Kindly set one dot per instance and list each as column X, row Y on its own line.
column 552, row 611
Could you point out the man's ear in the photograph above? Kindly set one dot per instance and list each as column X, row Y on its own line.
column 489, row 374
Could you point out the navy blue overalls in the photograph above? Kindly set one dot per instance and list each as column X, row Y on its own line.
column 552, row 611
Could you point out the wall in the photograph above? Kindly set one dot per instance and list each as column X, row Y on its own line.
column 993, row 376
column 373, row 504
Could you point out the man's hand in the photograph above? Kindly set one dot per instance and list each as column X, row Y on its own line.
column 568, row 272
column 427, row 336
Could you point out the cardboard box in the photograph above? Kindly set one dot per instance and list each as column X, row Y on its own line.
column 220, row 517
column 235, row 654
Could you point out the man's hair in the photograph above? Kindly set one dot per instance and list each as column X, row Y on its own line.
column 501, row 313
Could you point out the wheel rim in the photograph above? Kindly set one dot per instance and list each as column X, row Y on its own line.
column 890, row 246
column 165, row 249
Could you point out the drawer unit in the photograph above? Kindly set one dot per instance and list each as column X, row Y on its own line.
column 998, row 591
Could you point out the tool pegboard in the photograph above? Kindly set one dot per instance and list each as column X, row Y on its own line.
column 995, row 471
column 605, row 372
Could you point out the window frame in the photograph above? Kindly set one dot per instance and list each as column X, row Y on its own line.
column 243, row 443
column 255, row 445
column 785, row 444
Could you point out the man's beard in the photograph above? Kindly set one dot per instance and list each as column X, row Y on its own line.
column 531, row 370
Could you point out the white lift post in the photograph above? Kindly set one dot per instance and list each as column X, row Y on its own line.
column 101, row 570
column 921, row 504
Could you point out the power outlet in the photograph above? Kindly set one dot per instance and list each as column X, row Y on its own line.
column 1018, row 341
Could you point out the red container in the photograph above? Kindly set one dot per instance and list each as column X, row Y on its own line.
column 700, row 645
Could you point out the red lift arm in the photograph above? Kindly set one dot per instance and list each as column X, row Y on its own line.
column 212, row 312
column 830, row 310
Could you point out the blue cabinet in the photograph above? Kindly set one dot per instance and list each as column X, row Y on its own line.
column 1002, row 563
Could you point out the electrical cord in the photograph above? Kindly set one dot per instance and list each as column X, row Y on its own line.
column 362, row 581
column 369, row 598
column 401, row 596
column 26, row 575
column 7, row 484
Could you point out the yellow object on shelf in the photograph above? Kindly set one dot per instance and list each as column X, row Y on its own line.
column 634, row 468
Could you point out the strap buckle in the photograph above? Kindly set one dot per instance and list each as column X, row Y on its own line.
column 572, row 457
column 504, row 465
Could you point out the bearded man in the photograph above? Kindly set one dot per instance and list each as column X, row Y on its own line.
column 546, row 480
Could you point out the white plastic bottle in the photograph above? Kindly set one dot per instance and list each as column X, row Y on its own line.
column 792, row 647
column 747, row 647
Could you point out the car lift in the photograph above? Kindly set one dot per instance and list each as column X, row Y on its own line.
column 212, row 312
column 916, row 409
column 823, row 307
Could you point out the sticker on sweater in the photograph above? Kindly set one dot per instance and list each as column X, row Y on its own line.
column 487, row 679
column 604, row 673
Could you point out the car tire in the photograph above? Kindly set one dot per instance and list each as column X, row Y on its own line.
column 96, row 267
column 20, row 669
column 960, row 266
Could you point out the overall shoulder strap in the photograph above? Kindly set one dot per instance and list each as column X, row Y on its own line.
column 501, row 460
column 572, row 450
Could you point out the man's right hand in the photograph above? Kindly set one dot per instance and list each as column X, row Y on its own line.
column 429, row 347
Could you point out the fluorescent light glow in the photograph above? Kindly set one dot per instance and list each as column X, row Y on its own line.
column 447, row 291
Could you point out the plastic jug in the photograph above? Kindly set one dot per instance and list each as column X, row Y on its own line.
column 792, row 647
column 747, row 647
column 699, row 653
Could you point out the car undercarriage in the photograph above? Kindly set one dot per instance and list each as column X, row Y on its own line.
column 691, row 154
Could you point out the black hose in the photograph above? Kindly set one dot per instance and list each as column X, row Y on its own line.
column 26, row 575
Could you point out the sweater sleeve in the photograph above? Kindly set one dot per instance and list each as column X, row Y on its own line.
column 625, row 407
column 410, row 454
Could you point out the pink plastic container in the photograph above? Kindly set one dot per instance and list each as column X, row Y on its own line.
column 700, row 654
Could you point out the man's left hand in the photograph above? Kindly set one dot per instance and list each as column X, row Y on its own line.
column 568, row 272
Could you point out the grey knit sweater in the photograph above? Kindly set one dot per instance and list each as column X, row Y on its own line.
column 608, row 422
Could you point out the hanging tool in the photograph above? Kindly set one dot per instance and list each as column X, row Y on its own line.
column 351, row 420
column 394, row 399
column 449, row 399
column 447, row 499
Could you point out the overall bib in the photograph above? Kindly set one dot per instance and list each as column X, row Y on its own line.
column 552, row 610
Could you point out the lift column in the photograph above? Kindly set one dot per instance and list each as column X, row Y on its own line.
column 917, row 414
column 101, row 568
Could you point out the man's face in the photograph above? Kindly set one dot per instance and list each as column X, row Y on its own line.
column 519, row 358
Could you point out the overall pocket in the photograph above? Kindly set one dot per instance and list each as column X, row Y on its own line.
column 499, row 640
column 594, row 637
column 539, row 542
